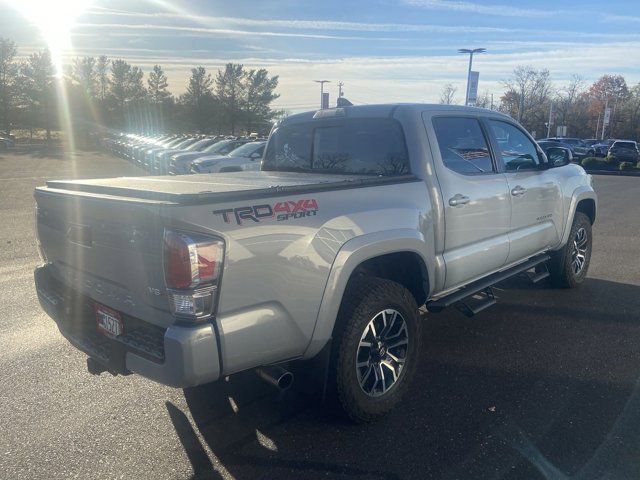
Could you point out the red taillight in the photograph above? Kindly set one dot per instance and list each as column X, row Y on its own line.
column 191, row 260
column 208, row 261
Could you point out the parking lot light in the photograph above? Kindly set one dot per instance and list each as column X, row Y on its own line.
column 470, row 51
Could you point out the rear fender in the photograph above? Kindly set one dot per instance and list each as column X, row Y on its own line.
column 349, row 257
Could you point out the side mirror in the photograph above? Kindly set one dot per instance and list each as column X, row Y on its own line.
column 558, row 156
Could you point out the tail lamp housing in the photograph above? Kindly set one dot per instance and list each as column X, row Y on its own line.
column 192, row 268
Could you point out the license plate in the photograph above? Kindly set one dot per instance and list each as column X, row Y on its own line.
column 109, row 321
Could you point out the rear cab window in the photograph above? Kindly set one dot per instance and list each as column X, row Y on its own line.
column 359, row 146
column 624, row 145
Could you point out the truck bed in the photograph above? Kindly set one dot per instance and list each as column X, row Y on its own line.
column 219, row 187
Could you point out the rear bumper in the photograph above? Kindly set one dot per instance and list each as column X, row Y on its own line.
column 177, row 356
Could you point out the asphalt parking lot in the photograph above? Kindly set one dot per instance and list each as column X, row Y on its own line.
column 543, row 385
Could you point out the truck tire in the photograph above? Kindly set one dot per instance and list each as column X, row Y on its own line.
column 375, row 349
column 568, row 266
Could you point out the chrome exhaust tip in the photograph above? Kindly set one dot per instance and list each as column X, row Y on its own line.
column 275, row 376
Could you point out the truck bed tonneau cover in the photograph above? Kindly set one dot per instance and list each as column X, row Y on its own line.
column 190, row 189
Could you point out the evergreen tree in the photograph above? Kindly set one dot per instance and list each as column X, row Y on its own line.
column 36, row 78
column 127, row 91
column 230, row 88
column 8, row 73
column 199, row 99
column 259, row 91
column 84, row 73
column 102, row 77
column 157, row 86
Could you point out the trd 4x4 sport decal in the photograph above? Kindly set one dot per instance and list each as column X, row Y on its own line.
column 282, row 211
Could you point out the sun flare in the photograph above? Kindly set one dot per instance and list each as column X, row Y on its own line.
column 55, row 21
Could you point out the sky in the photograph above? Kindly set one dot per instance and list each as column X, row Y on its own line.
column 383, row 50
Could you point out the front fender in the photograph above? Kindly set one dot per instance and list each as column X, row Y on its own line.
column 348, row 258
column 583, row 192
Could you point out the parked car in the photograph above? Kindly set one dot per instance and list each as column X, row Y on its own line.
column 326, row 253
column 180, row 163
column 579, row 148
column 137, row 150
column 145, row 155
column 156, row 160
column 591, row 143
column 164, row 157
column 601, row 149
column 624, row 151
column 7, row 141
column 246, row 157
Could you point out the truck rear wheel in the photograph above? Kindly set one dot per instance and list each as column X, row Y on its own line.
column 375, row 349
column 568, row 266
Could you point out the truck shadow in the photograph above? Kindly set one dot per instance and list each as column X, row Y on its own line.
column 543, row 385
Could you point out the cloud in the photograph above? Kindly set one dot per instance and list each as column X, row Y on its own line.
column 159, row 30
column 207, row 24
column 609, row 18
column 486, row 9
column 302, row 24
column 217, row 31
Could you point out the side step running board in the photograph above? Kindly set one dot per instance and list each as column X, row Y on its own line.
column 474, row 304
column 483, row 286
column 539, row 274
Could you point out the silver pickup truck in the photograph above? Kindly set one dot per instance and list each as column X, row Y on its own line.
column 362, row 221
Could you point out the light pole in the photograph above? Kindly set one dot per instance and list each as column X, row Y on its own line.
column 470, row 51
column 322, row 82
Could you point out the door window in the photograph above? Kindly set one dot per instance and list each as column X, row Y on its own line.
column 517, row 151
column 462, row 144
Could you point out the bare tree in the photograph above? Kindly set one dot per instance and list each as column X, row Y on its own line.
column 447, row 94
column 485, row 100
column 570, row 107
column 632, row 113
column 532, row 90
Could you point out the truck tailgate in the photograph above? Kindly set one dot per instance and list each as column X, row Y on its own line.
column 107, row 249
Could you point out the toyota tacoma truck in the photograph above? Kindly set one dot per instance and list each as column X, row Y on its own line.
column 362, row 221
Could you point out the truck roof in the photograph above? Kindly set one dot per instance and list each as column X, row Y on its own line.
column 383, row 110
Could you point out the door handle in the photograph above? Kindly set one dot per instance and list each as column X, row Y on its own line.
column 458, row 200
column 518, row 191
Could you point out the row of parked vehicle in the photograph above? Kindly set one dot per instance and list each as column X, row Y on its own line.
column 183, row 154
column 621, row 150
column 7, row 141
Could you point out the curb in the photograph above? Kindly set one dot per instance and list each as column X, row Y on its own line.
column 624, row 173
